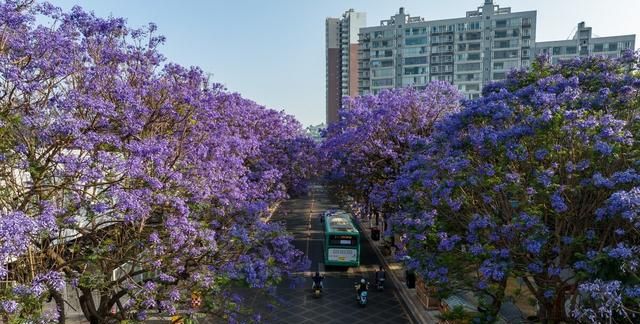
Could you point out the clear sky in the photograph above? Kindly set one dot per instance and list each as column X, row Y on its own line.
column 272, row 51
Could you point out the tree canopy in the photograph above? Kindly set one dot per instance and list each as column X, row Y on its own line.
column 133, row 180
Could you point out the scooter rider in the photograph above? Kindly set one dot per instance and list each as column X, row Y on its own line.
column 380, row 274
column 362, row 286
column 317, row 280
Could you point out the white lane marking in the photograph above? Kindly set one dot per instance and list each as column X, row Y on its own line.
column 309, row 222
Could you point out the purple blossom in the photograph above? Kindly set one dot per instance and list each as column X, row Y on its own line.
column 544, row 177
column 603, row 148
column 541, row 154
column 9, row 306
column 620, row 251
column 447, row 243
column 533, row 246
column 557, row 203
column 534, row 267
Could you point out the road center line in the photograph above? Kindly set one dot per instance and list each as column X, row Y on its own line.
column 309, row 222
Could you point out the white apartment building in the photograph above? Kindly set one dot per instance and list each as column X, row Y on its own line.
column 584, row 44
column 469, row 51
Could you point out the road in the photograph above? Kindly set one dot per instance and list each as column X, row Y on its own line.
column 338, row 302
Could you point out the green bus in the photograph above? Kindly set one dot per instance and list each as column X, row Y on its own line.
column 341, row 239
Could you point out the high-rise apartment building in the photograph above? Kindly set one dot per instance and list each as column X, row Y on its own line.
column 584, row 44
column 342, row 59
column 469, row 51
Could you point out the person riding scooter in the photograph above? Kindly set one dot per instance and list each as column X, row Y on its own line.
column 362, row 286
column 380, row 278
column 317, row 280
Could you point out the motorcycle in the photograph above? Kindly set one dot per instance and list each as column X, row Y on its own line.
column 380, row 284
column 361, row 297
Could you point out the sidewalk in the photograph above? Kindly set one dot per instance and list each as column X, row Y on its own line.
column 395, row 272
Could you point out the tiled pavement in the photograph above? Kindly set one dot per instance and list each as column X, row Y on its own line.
column 338, row 301
column 336, row 305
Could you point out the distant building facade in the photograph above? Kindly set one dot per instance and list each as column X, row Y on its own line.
column 341, row 35
column 468, row 52
column 584, row 44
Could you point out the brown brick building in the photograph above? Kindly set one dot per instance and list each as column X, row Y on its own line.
column 342, row 59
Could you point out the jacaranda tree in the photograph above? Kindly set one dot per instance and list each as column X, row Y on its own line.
column 364, row 150
column 536, row 181
column 132, row 180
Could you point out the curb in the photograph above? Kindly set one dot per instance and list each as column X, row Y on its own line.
column 271, row 210
column 416, row 311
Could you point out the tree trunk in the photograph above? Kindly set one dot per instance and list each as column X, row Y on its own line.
column 496, row 304
column 60, row 305
column 553, row 311
column 89, row 307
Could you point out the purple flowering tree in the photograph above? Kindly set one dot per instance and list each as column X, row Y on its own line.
column 134, row 181
column 364, row 151
column 536, row 181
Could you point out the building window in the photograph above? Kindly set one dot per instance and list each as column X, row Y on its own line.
column 382, row 82
column 505, row 54
column 556, row 51
column 584, row 50
column 473, row 36
column 388, row 72
column 598, row 47
column 613, row 46
column 411, row 51
column 415, row 41
column 415, row 60
column 501, row 23
column 468, row 67
column 571, row 50
column 468, row 77
column 415, row 70
column 381, row 63
column 473, row 87
column 473, row 56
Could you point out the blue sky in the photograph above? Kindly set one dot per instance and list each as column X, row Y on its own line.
column 272, row 51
